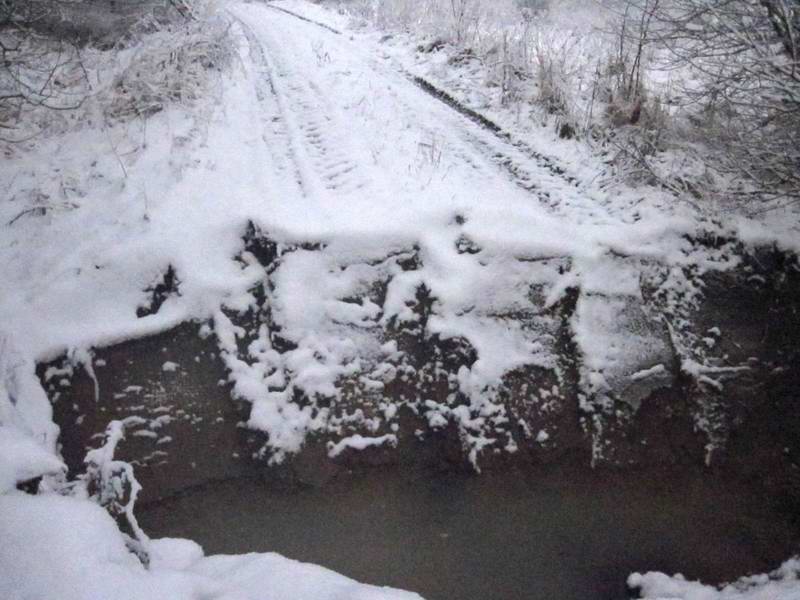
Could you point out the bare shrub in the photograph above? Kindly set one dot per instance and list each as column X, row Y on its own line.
column 54, row 56
column 736, row 94
column 36, row 70
column 169, row 65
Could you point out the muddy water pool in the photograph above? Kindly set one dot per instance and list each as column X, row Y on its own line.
column 566, row 533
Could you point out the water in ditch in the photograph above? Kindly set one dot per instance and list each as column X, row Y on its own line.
column 566, row 533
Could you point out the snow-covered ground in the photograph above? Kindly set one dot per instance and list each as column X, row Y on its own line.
column 56, row 547
column 781, row 584
column 323, row 143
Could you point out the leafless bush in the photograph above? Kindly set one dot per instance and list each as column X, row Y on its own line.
column 459, row 22
column 168, row 66
column 50, row 62
column 553, row 74
column 736, row 66
column 36, row 69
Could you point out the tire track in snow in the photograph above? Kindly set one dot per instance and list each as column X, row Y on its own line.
column 276, row 134
column 333, row 166
column 313, row 130
column 545, row 162
column 529, row 169
column 306, row 19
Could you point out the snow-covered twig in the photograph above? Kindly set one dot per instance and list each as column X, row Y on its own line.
column 112, row 482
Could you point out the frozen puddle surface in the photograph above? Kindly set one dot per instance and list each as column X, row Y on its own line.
column 561, row 533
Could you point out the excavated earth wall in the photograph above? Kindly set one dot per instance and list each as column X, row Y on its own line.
column 712, row 385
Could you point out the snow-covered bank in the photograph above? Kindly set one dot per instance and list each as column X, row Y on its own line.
column 62, row 548
column 781, row 584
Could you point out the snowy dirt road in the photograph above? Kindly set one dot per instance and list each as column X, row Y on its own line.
column 352, row 130
column 350, row 126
